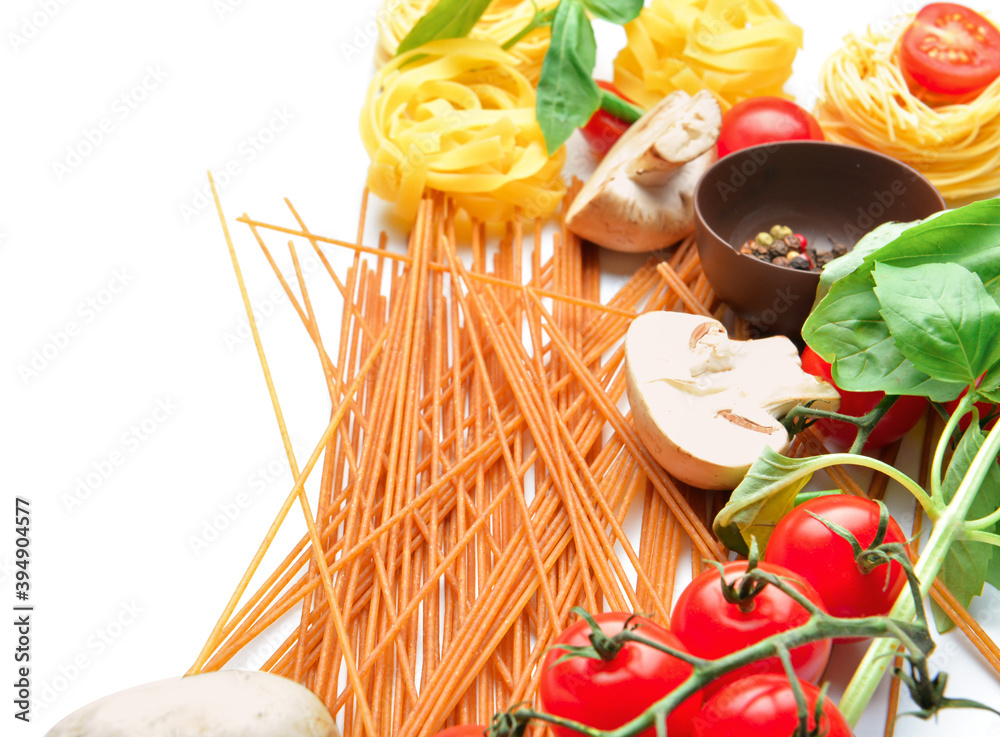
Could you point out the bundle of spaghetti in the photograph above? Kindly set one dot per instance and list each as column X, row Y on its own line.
column 476, row 474
column 458, row 116
column 503, row 21
column 471, row 493
column 735, row 48
column 865, row 101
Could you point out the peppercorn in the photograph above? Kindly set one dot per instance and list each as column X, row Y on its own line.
column 780, row 261
column 800, row 262
column 764, row 239
column 793, row 242
column 778, row 248
column 780, row 231
column 822, row 259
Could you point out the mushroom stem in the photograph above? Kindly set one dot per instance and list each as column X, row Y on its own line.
column 684, row 137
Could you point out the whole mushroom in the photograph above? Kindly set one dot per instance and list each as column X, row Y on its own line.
column 706, row 406
column 641, row 196
column 227, row 703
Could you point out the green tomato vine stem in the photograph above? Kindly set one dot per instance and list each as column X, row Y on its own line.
column 948, row 527
column 931, row 508
column 821, row 626
column 620, row 107
column 937, row 477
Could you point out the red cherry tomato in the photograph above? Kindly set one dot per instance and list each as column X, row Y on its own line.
column 898, row 421
column 764, row 706
column 765, row 120
column 710, row 627
column 603, row 128
column 802, row 543
column 606, row 694
column 950, row 51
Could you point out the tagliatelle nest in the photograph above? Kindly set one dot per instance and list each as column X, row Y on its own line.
column 502, row 21
column 457, row 116
column 736, row 49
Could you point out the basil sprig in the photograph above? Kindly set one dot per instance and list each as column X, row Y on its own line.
column 917, row 315
column 447, row 19
column 567, row 93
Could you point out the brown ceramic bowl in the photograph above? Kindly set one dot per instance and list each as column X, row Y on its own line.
column 825, row 191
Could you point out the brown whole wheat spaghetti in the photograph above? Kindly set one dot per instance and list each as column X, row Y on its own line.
column 474, row 476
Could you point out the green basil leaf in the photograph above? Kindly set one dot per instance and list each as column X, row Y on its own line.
column 969, row 236
column 847, row 330
column 849, row 262
column 567, row 93
column 616, row 11
column 447, row 19
column 765, row 495
column 993, row 571
column 990, row 396
column 990, row 383
column 853, row 335
column 941, row 318
column 968, row 564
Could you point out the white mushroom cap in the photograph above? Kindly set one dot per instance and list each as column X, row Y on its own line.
column 641, row 196
column 706, row 406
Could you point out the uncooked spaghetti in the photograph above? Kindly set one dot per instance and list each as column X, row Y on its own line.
column 865, row 101
column 430, row 584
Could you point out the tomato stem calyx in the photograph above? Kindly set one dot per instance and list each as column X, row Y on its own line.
column 927, row 690
column 877, row 553
column 742, row 591
column 602, row 647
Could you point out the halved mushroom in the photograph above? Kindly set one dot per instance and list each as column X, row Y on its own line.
column 706, row 406
column 641, row 196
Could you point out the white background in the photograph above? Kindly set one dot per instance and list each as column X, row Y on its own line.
column 125, row 363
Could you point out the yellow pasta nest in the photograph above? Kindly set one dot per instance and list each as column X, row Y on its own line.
column 865, row 101
column 735, row 48
column 502, row 21
column 457, row 116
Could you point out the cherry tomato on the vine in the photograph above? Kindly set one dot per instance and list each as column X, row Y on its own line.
column 764, row 706
column 711, row 627
column 898, row 421
column 949, row 53
column 765, row 120
column 603, row 128
column 606, row 694
column 805, row 545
